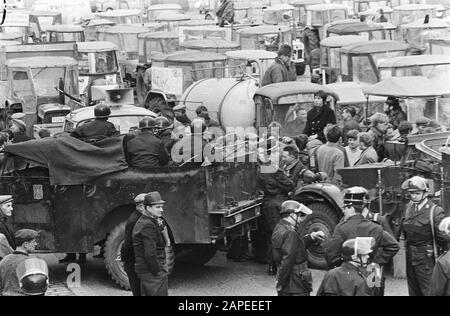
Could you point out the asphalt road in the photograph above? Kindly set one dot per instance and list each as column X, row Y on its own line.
column 220, row 277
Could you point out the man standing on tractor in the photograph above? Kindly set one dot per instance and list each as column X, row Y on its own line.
column 355, row 225
column 283, row 69
column 420, row 227
column 225, row 13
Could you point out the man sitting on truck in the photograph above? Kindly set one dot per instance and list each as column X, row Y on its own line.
column 97, row 129
column 145, row 150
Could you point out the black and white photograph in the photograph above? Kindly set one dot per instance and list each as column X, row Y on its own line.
column 224, row 153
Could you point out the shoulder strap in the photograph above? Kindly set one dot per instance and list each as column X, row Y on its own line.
column 433, row 232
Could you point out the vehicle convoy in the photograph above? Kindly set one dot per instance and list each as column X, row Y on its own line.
column 418, row 34
column 74, row 212
column 33, row 82
column 370, row 31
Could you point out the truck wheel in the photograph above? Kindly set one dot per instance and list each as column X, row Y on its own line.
column 113, row 261
column 323, row 218
column 301, row 68
column 195, row 255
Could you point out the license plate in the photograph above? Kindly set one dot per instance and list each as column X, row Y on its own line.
column 58, row 119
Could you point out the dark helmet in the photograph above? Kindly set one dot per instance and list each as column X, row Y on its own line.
column 147, row 123
column 162, row 122
column 198, row 125
column 32, row 274
column 102, row 111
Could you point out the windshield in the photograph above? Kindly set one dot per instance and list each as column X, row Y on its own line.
column 21, row 84
column 46, row 79
column 124, row 124
column 438, row 49
column 98, row 63
column 439, row 73
column 164, row 46
column 56, row 37
column 406, row 17
column 336, row 15
column 363, row 71
column 420, row 38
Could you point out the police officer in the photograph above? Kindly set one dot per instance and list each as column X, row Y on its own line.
column 440, row 281
column 276, row 186
column 420, row 227
column 164, row 132
column 349, row 279
column 149, row 248
column 97, row 129
column 355, row 225
column 289, row 250
column 127, row 251
column 26, row 243
column 145, row 150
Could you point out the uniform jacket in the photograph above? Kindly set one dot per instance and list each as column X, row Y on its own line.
column 9, row 283
column 417, row 226
column 146, row 151
column 127, row 251
column 440, row 281
column 346, row 280
column 317, row 120
column 149, row 246
column 289, row 251
column 279, row 72
column 386, row 246
column 96, row 129
column 368, row 156
column 275, row 184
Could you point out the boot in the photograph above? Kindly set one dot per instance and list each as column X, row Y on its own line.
column 70, row 257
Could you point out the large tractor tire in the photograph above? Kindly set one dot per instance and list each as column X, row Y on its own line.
column 113, row 260
column 195, row 255
column 323, row 218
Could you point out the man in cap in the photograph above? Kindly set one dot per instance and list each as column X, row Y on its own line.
column 283, row 69
column 276, row 186
column 355, row 225
column 349, row 279
column 127, row 251
column 26, row 243
column 97, row 129
column 289, row 250
column 19, row 128
column 145, row 150
column 7, row 242
column 440, row 280
column 149, row 245
column 420, row 227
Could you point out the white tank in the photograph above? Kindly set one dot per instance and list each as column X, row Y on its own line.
column 228, row 100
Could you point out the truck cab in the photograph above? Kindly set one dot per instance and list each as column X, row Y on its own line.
column 65, row 33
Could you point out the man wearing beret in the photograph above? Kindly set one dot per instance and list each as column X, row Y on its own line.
column 127, row 251
column 282, row 70
column 149, row 245
column 26, row 243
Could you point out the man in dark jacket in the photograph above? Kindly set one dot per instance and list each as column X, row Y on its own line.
column 319, row 117
column 145, row 151
column 18, row 130
column 282, row 70
column 25, row 240
column 350, row 123
column 378, row 129
column 97, row 129
column 355, row 225
column 225, row 13
column 149, row 248
column 349, row 279
column 289, row 250
column 294, row 168
column 164, row 132
column 127, row 251
column 7, row 242
column 440, row 280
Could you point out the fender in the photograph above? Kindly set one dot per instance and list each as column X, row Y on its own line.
column 156, row 94
column 326, row 191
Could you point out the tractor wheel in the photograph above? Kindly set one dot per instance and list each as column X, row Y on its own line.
column 113, row 261
column 195, row 255
column 323, row 218
column 300, row 69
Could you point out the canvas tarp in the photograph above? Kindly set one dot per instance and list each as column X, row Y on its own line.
column 70, row 161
